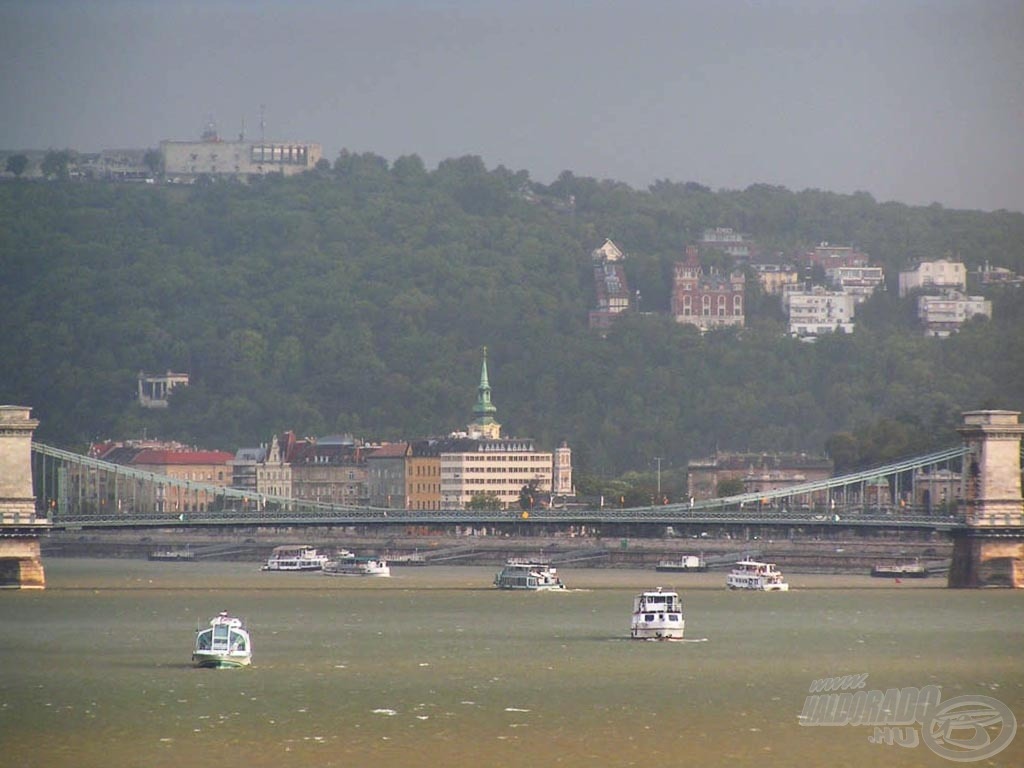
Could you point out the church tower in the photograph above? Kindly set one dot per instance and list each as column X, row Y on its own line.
column 483, row 425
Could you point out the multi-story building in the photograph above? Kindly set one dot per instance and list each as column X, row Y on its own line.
column 185, row 161
column 987, row 276
column 944, row 314
column 816, row 312
column 830, row 257
column 483, row 464
column 274, row 473
column 244, row 468
column 387, row 478
column 706, row 301
column 732, row 243
column 610, row 286
column 776, row 278
column 759, row 472
column 859, row 282
column 423, row 475
column 201, row 467
column 934, row 275
column 331, row 470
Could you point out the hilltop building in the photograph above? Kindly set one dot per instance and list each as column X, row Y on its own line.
column 944, row 314
column 610, row 285
column 185, row 161
column 741, row 247
column 155, row 388
column 818, row 311
column 934, row 275
column 859, row 282
column 706, row 301
column 830, row 257
column 776, row 279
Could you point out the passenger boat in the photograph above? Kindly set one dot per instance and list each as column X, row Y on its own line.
column 528, row 574
column 347, row 564
column 752, row 574
column 657, row 616
column 173, row 555
column 224, row 645
column 291, row 557
column 900, row 571
column 683, row 564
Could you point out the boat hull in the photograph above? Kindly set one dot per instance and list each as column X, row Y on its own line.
column 681, row 569
column 220, row 661
column 657, row 631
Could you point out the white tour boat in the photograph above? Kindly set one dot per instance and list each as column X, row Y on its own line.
column 752, row 574
column 292, row 557
column 347, row 564
column 657, row 616
column 528, row 574
column 224, row 645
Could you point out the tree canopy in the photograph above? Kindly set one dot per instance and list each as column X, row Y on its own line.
column 356, row 298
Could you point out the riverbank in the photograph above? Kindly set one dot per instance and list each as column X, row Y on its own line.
column 820, row 554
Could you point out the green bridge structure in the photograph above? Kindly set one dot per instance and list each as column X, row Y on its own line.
column 75, row 491
column 50, row 488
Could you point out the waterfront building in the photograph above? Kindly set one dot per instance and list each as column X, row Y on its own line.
column 244, row 468
column 331, row 470
column 387, row 475
column 202, row 467
column 758, row 472
column 707, row 301
column 274, row 473
column 480, row 463
column 934, row 275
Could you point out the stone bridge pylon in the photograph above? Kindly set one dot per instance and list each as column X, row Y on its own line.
column 989, row 549
column 21, row 564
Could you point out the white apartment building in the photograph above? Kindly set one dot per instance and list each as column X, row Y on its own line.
column 817, row 312
column 942, row 275
column 859, row 282
column 943, row 315
column 498, row 468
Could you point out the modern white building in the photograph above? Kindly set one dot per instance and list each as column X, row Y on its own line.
column 943, row 315
column 817, row 312
column 939, row 275
column 859, row 282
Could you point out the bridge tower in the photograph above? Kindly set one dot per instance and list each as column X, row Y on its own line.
column 989, row 549
column 21, row 564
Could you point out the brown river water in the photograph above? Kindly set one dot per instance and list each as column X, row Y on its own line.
column 434, row 667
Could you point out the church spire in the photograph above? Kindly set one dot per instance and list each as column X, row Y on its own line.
column 484, row 410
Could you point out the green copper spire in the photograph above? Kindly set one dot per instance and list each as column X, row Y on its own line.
column 484, row 409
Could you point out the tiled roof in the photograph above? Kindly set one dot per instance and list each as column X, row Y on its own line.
column 182, row 457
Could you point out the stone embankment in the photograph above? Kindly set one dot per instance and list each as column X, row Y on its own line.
column 808, row 555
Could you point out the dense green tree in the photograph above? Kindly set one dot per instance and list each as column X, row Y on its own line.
column 17, row 164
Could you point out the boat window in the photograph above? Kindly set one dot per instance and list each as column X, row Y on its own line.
column 237, row 641
column 649, row 617
column 203, row 641
column 673, row 617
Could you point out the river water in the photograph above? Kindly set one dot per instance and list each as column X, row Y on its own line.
column 434, row 667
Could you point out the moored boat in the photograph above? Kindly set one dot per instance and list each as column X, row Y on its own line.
column 173, row 555
column 347, row 564
column 899, row 571
column 682, row 564
column 292, row 557
column 528, row 574
column 753, row 574
column 657, row 616
column 225, row 644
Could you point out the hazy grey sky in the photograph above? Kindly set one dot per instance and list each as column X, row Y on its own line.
column 913, row 101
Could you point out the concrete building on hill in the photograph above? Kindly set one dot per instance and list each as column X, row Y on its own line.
column 934, row 276
column 185, row 161
column 610, row 286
